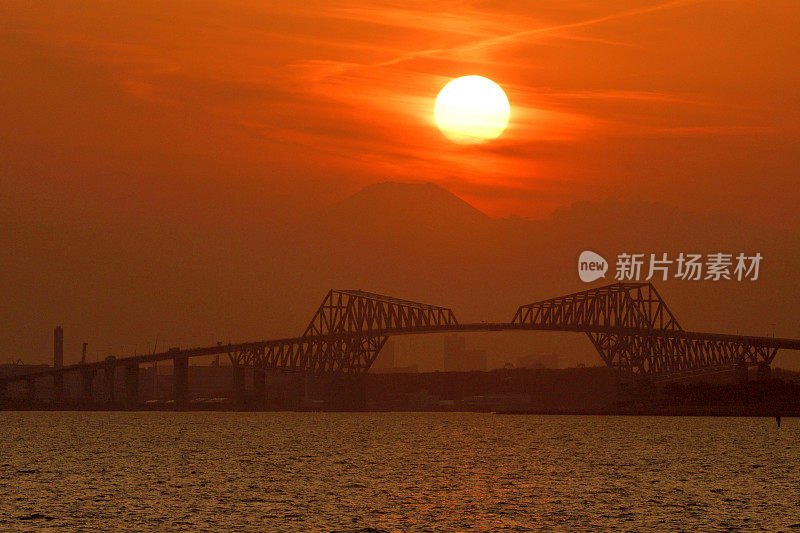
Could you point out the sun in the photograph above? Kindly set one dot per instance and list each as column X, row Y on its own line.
column 471, row 109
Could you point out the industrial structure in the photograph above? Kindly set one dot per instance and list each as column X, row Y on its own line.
column 629, row 324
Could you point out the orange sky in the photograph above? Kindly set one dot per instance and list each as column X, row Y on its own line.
column 168, row 169
column 224, row 105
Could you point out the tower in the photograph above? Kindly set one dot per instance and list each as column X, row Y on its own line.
column 58, row 347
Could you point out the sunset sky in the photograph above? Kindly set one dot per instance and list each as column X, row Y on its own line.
column 162, row 162
column 691, row 102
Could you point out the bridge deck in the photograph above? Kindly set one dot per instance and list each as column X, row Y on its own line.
column 765, row 342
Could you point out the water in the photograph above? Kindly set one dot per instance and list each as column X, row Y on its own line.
column 217, row 471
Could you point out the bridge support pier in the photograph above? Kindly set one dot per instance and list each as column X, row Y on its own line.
column 259, row 386
column 238, row 385
column 30, row 390
column 293, row 384
column 764, row 371
column 87, row 386
column 347, row 393
column 741, row 372
column 180, row 371
column 3, row 391
column 58, row 389
column 131, row 386
column 108, row 378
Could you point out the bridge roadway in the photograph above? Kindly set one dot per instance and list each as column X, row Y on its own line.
column 180, row 357
column 629, row 324
column 221, row 349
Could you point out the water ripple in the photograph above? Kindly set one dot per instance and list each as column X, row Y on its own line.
column 387, row 472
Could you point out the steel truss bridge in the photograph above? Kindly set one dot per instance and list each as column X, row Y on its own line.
column 629, row 324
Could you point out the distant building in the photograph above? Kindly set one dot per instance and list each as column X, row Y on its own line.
column 497, row 401
column 385, row 360
column 14, row 369
column 410, row 369
column 538, row 361
column 454, row 344
column 386, row 363
column 58, row 347
column 458, row 359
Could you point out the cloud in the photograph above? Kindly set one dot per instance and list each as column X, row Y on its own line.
column 349, row 88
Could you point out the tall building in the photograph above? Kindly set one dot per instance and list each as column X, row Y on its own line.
column 458, row 359
column 454, row 344
column 385, row 360
column 58, row 347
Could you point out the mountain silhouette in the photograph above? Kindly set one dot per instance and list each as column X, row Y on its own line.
column 422, row 242
column 416, row 241
column 393, row 205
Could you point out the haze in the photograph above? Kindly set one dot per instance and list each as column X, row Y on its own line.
column 187, row 171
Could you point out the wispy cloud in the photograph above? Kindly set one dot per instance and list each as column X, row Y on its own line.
column 352, row 85
column 540, row 32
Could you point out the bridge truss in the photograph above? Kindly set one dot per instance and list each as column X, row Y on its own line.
column 639, row 338
column 346, row 334
column 629, row 324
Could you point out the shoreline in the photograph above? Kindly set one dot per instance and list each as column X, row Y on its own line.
column 693, row 411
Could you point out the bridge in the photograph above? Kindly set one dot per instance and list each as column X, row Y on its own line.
column 629, row 324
